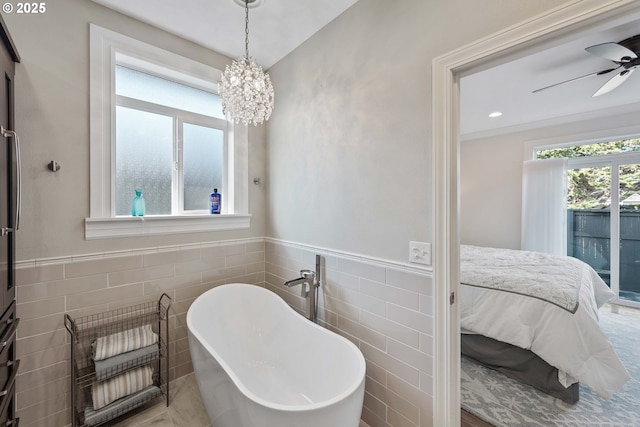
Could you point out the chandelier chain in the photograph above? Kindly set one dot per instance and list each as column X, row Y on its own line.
column 246, row 29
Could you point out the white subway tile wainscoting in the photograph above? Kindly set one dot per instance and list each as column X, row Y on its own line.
column 80, row 286
column 385, row 308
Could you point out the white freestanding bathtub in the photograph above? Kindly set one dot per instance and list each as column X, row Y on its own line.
column 259, row 363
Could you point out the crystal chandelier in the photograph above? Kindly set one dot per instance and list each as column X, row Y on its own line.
column 246, row 90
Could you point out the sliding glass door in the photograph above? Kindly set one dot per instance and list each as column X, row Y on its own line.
column 603, row 210
column 589, row 217
column 629, row 236
column 604, row 207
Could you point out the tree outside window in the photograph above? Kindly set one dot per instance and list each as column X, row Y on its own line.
column 590, row 188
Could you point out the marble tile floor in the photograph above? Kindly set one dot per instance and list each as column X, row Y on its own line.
column 185, row 408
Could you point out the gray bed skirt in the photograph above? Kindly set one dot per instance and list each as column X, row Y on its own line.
column 519, row 364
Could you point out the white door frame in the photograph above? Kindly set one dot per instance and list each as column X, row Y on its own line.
column 571, row 16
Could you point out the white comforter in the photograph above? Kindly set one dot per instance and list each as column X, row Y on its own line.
column 571, row 342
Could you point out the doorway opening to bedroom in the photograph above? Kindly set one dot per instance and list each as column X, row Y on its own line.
column 603, row 206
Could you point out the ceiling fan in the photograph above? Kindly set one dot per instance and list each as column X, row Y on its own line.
column 624, row 54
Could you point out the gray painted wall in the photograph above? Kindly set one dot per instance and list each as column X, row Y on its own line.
column 52, row 119
column 349, row 141
column 350, row 145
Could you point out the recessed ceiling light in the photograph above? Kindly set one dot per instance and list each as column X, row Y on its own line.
column 495, row 114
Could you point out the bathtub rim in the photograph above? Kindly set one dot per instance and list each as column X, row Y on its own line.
column 349, row 391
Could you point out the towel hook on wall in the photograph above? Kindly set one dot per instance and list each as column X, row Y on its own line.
column 53, row 166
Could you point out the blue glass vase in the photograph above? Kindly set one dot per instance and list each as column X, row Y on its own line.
column 138, row 204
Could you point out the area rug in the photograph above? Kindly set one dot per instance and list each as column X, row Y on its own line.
column 504, row 402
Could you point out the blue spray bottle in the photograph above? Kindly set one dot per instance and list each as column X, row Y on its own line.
column 216, row 201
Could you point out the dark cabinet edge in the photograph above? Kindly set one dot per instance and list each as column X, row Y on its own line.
column 8, row 41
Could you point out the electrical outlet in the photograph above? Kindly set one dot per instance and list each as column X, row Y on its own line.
column 420, row 253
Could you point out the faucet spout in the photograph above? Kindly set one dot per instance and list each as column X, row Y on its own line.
column 306, row 279
column 310, row 281
column 295, row 282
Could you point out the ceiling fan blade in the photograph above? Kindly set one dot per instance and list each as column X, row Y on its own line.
column 612, row 51
column 614, row 82
column 599, row 73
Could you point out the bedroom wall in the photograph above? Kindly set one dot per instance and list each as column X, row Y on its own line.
column 52, row 119
column 491, row 192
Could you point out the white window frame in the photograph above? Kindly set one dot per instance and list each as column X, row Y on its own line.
column 108, row 48
column 179, row 118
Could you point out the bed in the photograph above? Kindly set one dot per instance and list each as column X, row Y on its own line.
column 534, row 317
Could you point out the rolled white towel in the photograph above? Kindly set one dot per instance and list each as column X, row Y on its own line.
column 112, row 366
column 124, row 341
column 105, row 392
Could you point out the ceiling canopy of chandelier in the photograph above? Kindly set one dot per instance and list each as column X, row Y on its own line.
column 246, row 91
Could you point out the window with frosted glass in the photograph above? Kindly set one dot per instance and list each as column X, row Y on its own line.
column 147, row 87
column 201, row 165
column 170, row 143
column 144, row 159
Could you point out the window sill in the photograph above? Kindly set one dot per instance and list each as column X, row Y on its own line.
column 107, row 228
